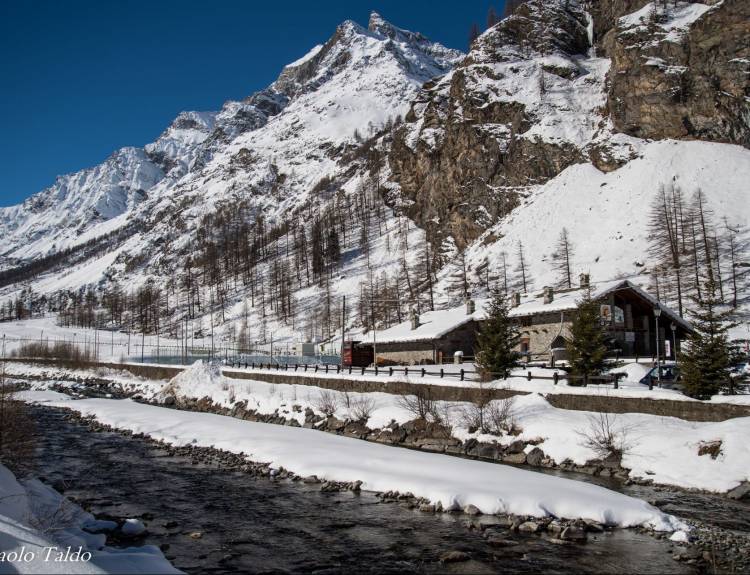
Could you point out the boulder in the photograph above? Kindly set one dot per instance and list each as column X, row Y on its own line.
column 454, row 557
column 742, row 491
column 528, row 527
column 573, row 533
column 517, row 446
column 472, row 510
column 535, row 457
column 515, row 458
column 133, row 528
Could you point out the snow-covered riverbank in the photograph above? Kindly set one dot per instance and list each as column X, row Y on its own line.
column 710, row 456
column 453, row 482
column 43, row 532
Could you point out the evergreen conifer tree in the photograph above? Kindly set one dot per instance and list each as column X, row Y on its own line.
column 705, row 363
column 497, row 339
column 587, row 344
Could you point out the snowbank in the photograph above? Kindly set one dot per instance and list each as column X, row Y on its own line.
column 663, row 449
column 451, row 481
column 33, row 527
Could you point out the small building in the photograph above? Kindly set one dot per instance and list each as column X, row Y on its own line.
column 356, row 355
column 544, row 318
column 427, row 338
column 303, row 348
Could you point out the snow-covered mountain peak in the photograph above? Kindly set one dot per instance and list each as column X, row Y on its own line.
column 176, row 149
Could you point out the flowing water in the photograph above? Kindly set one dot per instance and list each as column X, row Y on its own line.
column 256, row 525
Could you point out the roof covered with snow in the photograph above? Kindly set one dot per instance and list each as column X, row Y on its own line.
column 432, row 325
column 435, row 324
column 569, row 299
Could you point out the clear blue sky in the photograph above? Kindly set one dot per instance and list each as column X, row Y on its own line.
column 81, row 79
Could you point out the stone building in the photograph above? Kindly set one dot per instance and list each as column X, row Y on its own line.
column 432, row 337
column 544, row 318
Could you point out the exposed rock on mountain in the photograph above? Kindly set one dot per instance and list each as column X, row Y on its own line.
column 521, row 107
column 682, row 71
column 533, row 97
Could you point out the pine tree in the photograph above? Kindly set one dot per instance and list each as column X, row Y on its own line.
column 563, row 256
column 587, row 344
column 497, row 339
column 705, row 364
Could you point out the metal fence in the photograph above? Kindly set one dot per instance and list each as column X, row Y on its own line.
column 103, row 346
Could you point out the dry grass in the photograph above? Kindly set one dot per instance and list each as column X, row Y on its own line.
column 65, row 353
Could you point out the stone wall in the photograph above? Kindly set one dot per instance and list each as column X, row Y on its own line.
column 542, row 334
column 687, row 410
column 407, row 353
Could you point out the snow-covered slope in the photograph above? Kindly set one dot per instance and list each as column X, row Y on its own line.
column 607, row 214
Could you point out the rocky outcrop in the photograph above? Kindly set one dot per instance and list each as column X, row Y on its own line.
column 682, row 71
column 606, row 13
column 475, row 140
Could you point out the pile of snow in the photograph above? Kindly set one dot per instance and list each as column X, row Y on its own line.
column 633, row 372
column 37, row 524
column 451, row 481
column 199, row 380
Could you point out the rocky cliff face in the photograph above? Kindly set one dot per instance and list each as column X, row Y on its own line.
column 682, row 71
column 520, row 108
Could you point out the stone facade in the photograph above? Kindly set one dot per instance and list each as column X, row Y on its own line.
column 462, row 338
column 542, row 333
column 629, row 322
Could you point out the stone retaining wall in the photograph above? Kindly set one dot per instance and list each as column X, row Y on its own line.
column 687, row 410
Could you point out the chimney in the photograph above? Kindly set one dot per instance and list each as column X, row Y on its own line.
column 470, row 306
column 549, row 294
column 515, row 299
column 414, row 318
column 584, row 280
